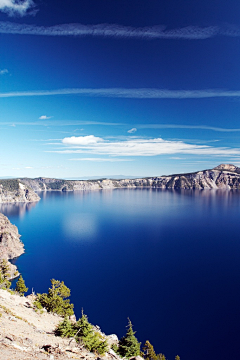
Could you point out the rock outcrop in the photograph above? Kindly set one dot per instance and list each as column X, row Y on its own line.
column 224, row 176
column 14, row 191
column 10, row 244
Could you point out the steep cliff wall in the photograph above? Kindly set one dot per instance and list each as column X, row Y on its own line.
column 224, row 176
column 10, row 244
column 14, row 190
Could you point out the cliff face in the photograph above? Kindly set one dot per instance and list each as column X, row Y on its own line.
column 224, row 176
column 10, row 244
column 14, row 190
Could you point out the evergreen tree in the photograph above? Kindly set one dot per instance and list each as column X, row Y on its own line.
column 65, row 328
column 161, row 357
column 177, row 357
column 91, row 339
column 149, row 352
column 55, row 301
column 128, row 344
column 4, row 275
column 20, row 286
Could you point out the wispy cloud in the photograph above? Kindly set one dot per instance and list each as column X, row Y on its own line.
column 45, row 117
column 176, row 126
column 3, row 71
column 100, row 159
column 132, row 131
column 15, row 7
column 135, row 93
column 144, row 147
column 118, row 31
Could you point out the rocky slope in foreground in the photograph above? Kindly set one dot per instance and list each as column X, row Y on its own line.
column 224, row 176
column 10, row 244
column 26, row 334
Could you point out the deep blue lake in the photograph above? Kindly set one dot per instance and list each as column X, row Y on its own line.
column 168, row 260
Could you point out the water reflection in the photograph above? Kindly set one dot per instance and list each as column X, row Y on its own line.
column 80, row 227
column 16, row 210
column 128, row 198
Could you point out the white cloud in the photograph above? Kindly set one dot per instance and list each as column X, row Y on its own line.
column 3, row 71
column 28, row 167
column 132, row 131
column 140, row 147
column 118, row 31
column 137, row 93
column 15, row 7
column 100, row 159
column 82, row 140
column 45, row 117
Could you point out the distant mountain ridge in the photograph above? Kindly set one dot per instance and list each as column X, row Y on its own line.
column 223, row 176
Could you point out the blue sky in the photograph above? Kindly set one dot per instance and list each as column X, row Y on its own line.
column 98, row 88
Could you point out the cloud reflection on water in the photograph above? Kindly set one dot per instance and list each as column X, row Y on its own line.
column 80, row 227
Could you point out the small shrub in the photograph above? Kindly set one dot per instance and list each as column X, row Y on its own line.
column 65, row 328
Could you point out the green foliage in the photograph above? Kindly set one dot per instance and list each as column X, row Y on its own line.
column 4, row 275
column 114, row 347
column 91, row 339
column 161, row 357
column 149, row 352
column 84, row 332
column 55, row 300
column 128, row 344
column 20, row 286
column 65, row 328
column 10, row 184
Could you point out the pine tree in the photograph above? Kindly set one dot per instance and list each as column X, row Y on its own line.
column 177, row 357
column 91, row 339
column 20, row 286
column 65, row 328
column 4, row 275
column 128, row 344
column 149, row 352
column 55, row 301
column 161, row 357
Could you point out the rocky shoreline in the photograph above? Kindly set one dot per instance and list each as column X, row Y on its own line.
column 224, row 176
column 10, row 244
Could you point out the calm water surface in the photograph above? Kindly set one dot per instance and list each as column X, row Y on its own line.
column 168, row 260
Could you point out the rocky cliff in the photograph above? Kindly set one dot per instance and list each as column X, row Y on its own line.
column 224, row 176
column 10, row 244
column 14, row 190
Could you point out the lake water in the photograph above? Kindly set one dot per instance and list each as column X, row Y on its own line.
column 168, row 260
